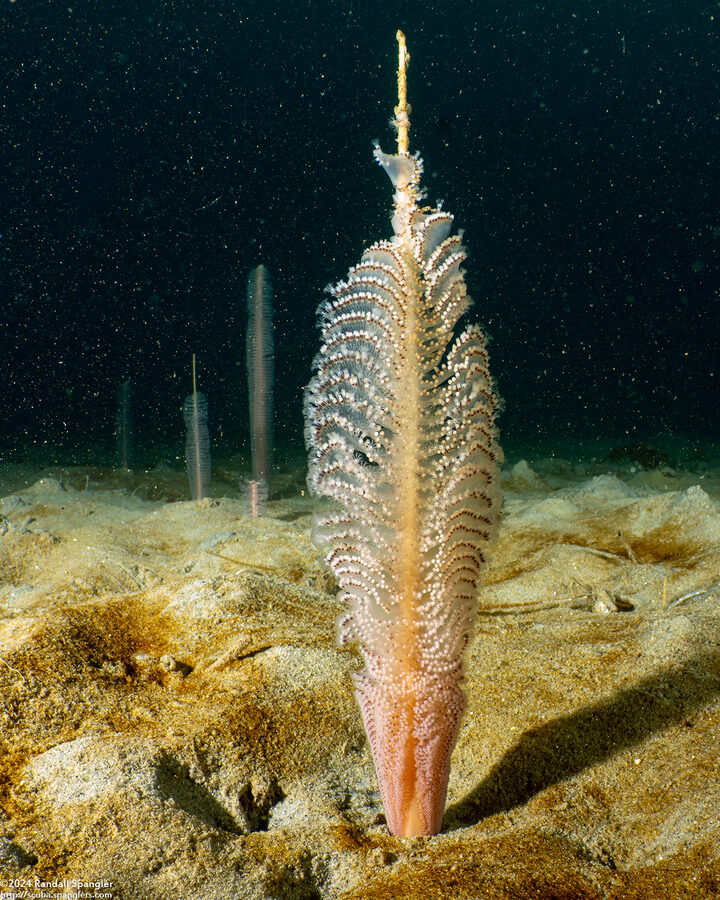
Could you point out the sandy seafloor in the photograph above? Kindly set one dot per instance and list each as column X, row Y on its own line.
column 177, row 721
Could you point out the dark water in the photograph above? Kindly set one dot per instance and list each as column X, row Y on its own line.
column 153, row 153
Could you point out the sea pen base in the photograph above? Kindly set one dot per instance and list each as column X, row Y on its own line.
column 412, row 733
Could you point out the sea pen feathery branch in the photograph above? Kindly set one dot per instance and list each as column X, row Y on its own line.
column 402, row 443
column 260, row 382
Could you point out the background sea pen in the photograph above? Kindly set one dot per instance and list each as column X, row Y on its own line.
column 260, row 364
column 197, row 441
column 123, row 425
column 400, row 429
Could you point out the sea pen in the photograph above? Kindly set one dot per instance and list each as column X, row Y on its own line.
column 260, row 359
column 403, row 446
column 123, row 425
column 197, row 440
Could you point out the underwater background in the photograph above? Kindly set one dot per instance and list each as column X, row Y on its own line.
column 153, row 153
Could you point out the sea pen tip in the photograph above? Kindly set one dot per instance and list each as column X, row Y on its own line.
column 402, row 110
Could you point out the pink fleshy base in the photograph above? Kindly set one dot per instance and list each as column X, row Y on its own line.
column 412, row 735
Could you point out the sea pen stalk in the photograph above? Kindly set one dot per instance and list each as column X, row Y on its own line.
column 123, row 425
column 260, row 361
column 197, row 440
column 402, row 440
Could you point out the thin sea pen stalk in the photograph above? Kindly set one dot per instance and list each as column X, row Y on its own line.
column 197, row 441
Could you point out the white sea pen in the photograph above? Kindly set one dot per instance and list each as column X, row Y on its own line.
column 402, row 446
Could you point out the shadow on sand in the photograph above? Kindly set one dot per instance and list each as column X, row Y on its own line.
column 547, row 754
